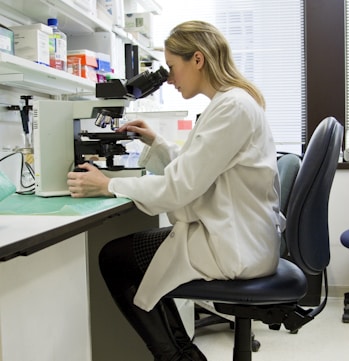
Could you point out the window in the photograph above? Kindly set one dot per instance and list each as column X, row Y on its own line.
column 325, row 62
column 267, row 41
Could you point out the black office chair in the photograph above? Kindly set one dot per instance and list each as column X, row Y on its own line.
column 345, row 242
column 288, row 167
column 274, row 299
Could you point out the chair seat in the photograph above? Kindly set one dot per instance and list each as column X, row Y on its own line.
column 345, row 238
column 287, row 285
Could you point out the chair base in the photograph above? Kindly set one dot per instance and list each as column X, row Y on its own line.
column 345, row 317
column 214, row 319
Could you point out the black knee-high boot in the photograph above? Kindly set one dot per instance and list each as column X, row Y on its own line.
column 179, row 332
column 152, row 327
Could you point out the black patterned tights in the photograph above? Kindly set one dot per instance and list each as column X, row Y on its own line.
column 124, row 261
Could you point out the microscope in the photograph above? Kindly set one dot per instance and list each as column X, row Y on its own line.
column 113, row 96
column 60, row 143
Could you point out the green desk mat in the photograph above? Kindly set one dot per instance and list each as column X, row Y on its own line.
column 56, row 206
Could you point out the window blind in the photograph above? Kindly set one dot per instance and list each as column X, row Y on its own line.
column 267, row 41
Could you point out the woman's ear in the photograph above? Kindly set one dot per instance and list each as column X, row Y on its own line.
column 199, row 59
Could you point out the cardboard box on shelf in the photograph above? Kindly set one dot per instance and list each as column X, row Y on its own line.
column 32, row 42
column 89, row 73
column 140, row 22
column 74, row 65
column 6, row 40
column 88, row 57
column 103, row 63
column 114, row 9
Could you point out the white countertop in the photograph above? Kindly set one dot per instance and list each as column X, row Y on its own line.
column 23, row 234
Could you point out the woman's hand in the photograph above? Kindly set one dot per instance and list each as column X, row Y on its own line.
column 140, row 127
column 89, row 183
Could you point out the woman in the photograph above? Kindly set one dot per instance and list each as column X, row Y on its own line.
column 220, row 191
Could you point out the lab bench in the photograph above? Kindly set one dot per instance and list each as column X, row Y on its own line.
column 54, row 304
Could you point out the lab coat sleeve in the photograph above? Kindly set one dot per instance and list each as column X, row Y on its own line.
column 213, row 149
column 158, row 156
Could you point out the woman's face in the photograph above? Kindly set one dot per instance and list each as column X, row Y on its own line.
column 184, row 75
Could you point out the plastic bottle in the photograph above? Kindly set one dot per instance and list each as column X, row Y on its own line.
column 57, row 46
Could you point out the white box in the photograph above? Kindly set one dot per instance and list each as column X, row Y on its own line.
column 115, row 9
column 141, row 22
column 32, row 42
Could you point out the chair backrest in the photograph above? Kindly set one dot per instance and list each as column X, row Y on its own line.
column 307, row 214
column 288, row 167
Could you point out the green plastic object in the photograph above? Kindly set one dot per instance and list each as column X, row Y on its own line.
column 6, row 186
column 57, row 206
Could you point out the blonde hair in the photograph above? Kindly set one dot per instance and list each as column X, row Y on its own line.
column 191, row 36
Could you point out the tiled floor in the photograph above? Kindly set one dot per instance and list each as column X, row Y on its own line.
column 325, row 338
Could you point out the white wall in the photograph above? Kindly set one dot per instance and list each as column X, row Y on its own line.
column 11, row 133
column 338, row 271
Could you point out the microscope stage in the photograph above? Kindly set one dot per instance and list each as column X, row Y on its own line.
column 112, row 136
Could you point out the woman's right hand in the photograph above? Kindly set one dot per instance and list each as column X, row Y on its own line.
column 141, row 127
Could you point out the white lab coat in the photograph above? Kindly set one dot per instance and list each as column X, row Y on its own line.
column 221, row 193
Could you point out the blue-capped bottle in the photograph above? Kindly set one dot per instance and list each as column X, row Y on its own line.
column 57, row 46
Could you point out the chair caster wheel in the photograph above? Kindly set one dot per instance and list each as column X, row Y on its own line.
column 255, row 345
column 275, row 326
column 345, row 318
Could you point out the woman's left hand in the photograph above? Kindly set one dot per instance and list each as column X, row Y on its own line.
column 90, row 182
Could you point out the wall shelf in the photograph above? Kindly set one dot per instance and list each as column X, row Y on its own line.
column 25, row 74
column 72, row 18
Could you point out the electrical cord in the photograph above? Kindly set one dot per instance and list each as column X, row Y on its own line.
column 28, row 189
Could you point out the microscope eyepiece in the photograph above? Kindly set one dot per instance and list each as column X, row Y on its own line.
column 137, row 87
column 159, row 76
column 146, row 83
